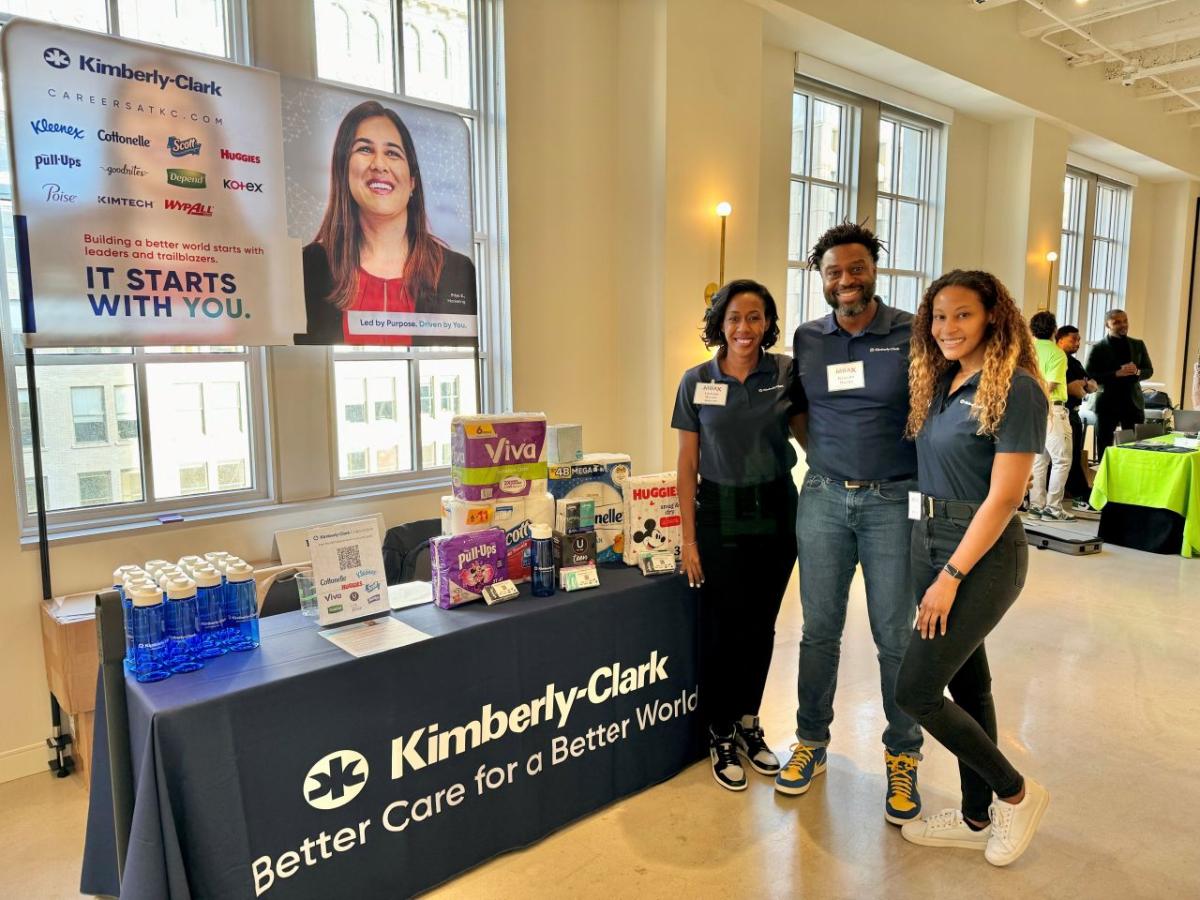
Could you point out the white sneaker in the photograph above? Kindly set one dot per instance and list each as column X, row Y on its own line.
column 945, row 829
column 1013, row 824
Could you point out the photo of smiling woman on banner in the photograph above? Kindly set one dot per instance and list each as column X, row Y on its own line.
column 375, row 274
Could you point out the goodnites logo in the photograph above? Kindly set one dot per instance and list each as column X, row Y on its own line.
column 60, row 59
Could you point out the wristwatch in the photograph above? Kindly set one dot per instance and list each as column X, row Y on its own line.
column 955, row 573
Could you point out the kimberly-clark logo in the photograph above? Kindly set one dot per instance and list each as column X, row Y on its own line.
column 183, row 146
column 253, row 187
column 336, row 779
column 115, row 137
column 57, row 159
column 186, row 178
column 126, row 169
column 45, row 126
column 192, row 209
column 57, row 58
column 54, row 194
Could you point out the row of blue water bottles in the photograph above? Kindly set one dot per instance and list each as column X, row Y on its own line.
column 179, row 614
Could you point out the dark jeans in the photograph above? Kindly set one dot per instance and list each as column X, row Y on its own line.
column 1077, row 483
column 1109, row 420
column 966, row 725
column 747, row 550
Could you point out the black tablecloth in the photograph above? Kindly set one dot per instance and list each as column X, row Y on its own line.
column 222, row 757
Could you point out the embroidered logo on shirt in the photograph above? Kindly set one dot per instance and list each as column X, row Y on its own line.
column 885, row 349
column 965, row 402
column 778, row 387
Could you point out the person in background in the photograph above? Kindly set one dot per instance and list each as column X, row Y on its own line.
column 1119, row 364
column 979, row 417
column 1045, row 502
column 852, row 384
column 1078, row 387
column 734, row 414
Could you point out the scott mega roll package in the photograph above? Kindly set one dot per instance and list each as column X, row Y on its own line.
column 494, row 457
column 652, row 521
column 599, row 477
column 464, row 564
column 513, row 517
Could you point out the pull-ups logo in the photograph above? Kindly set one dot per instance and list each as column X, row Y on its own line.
column 335, row 779
column 57, row 58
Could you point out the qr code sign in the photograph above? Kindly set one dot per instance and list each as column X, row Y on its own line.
column 348, row 557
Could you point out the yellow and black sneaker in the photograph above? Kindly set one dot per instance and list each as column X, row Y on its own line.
column 797, row 774
column 903, row 803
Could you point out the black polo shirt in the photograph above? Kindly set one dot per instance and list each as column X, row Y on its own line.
column 857, row 434
column 745, row 441
column 1075, row 372
column 955, row 463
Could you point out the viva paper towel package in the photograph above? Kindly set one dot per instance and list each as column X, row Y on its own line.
column 498, row 457
column 652, row 522
column 514, row 517
column 464, row 564
column 600, row 477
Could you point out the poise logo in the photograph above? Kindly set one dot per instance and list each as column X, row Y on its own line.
column 183, row 146
column 57, row 58
column 105, row 200
column 186, row 178
column 235, row 156
column 54, row 194
column 45, row 126
column 56, row 159
column 336, row 779
column 192, row 209
column 232, row 184
column 115, row 137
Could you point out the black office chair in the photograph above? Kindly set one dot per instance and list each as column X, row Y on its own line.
column 1148, row 430
column 283, row 595
column 406, row 551
column 1124, row 436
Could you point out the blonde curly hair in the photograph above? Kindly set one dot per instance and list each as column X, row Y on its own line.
column 1008, row 346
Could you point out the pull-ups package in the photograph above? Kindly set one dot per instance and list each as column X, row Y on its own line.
column 464, row 564
column 496, row 457
column 599, row 477
column 652, row 521
column 514, row 517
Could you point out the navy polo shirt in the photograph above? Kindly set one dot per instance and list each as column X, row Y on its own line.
column 857, row 434
column 745, row 441
column 955, row 463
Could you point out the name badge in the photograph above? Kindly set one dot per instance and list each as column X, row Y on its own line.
column 846, row 376
column 914, row 505
column 712, row 393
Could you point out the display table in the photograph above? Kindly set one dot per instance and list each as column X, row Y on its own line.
column 1149, row 500
column 509, row 723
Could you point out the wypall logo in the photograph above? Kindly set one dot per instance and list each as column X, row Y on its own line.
column 335, row 779
column 53, row 56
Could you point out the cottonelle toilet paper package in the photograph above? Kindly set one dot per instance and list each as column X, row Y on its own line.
column 498, row 457
column 600, row 477
column 652, row 522
column 513, row 517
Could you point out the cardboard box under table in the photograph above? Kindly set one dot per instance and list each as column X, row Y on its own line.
column 72, row 663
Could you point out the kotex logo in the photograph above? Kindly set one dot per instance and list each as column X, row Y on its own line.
column 335, row 779
column 186, row 178
column 178, row 146
column 253, row 187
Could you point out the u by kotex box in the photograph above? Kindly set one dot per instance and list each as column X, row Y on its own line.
column 493, row 457
column 464, row 564
column 652, row 520
column 599, row 477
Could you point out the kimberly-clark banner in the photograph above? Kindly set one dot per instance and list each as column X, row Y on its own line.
column 152, row 186
column 379, row 193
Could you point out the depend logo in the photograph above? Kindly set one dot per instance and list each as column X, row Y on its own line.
column 59, row 59
column 234, row 156
column 54, row 194
column 232, row 184
column 56, row 159
column 105, row 200
column 336, row 779
column 192, row 209
column 183, row 146
column 45, row 126
column 126, row 169
column 115, row 137
column 186, row 178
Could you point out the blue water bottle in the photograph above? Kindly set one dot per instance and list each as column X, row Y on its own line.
column 183, row 640
column 119, row 575
column 149, row 634
column 241, row 606
column 543, row 561
column 210, row 611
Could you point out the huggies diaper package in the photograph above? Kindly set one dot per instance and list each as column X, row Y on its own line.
column 513, row 517
column 652, row 521
column 599, row 477
column 464, row 564
column 496, row 457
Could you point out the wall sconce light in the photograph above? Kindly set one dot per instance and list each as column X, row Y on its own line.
column 723, row 210
column 1051, row 257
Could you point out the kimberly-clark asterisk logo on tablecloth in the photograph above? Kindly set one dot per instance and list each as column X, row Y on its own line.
column 335, row 779
column 57, row 58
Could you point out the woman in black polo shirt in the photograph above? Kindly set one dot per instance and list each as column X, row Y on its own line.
column 738, row 506
column 978, row 414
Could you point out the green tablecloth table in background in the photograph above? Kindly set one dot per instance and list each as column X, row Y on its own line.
column 1149, row 478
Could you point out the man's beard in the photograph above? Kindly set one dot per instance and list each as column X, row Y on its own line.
column 868, row 294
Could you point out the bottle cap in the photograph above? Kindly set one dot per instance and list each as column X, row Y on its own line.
column 212, row 555
column 190, row 562
column 166, row 576
column 206, row 577
column 153, row 565
column 120, row 572
column 180, row 588
column 134, row 579
column 239, row 571
column 540, row 532
column 146, row 595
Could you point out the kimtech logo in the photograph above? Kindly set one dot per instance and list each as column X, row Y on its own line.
column 336, row 779
column 105, row 200
column 60, row 59
column 186, row 178
column 183, row 146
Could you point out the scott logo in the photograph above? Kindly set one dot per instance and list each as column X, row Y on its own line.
column 59, row 59
column 232, row 184
column 503, row 451
column 183, row 146
column 336, row 779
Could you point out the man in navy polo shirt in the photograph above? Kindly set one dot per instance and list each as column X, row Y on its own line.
column 851, row 369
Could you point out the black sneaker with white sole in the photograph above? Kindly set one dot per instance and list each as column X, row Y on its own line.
column 748, row 735
column 725, row 767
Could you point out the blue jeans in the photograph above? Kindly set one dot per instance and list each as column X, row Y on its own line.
column 836, row 529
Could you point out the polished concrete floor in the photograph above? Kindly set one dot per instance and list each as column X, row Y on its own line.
column 1096, row 685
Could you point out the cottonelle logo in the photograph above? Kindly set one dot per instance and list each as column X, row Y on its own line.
column 335, row 779
column 115, row 137
column 186, row 178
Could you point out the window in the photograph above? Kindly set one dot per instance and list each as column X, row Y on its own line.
column 95, row 488
column 125, row 401
column 830, row 158
column 88, row 415
column 449, row 395
column 375, row 420
column 231, row 475
column 1093, row 252
column 387, row 459
column 31, row 494
column 25, row 416
column 193, row 479
column 131, row 485
column 356, row 463
column 429, row 455
column 354, row 402
column 427, row 396
column 383, row 396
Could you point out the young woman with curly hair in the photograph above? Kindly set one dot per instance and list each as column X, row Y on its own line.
column 978, row 415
